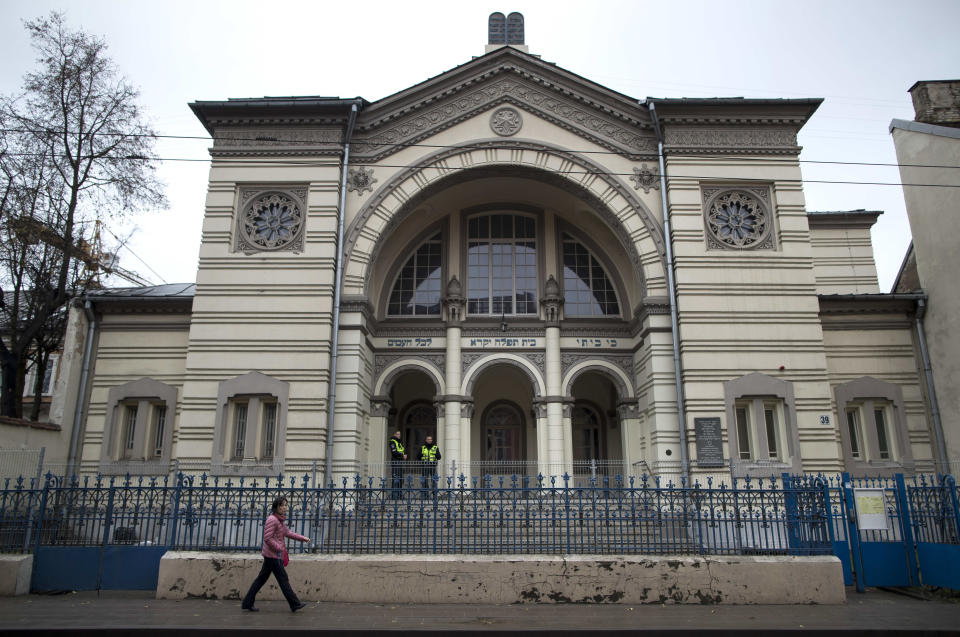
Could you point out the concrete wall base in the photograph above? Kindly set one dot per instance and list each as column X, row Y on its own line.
column 480, row 579
column 15, row 574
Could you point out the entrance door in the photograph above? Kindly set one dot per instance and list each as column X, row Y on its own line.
column 505, row 452
column 417, row 421
column 589, row 444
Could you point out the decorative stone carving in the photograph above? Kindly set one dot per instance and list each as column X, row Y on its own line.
column 761, row 139
column 645, row 178
column 506, row 121
column 497, row 28
column 281, row 140
column 380, row 406
column 466, row 409
column 270, row 220
column 551, row 302
column 559, row 105
column 623, row 361
column 627, row 409
column 382, row 361
column 453, row 302
column 538, row 359
column 738, row 218
column 360, row 179
column 515, row 33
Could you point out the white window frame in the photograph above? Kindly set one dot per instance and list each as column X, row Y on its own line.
column 754, row 395
column 865, row 397
column 138, row 403
column 261, row 397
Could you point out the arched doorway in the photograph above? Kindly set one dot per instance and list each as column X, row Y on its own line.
column 595, row 432
column 502, row 428
column 414, row 414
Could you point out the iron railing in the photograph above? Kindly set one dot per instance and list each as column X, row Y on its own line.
column 492, row 515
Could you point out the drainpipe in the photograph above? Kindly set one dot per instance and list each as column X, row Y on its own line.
column 931, row 392
column 672, row 285
column 79, row 410
column 338, row 283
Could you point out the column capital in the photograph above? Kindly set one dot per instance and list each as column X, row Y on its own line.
column 380, row 406
column 552, row 302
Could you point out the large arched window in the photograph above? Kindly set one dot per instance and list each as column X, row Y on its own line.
column 416, row 291
column 502, row 262
column 587, row 289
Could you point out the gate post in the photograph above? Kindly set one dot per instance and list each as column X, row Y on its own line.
column 947, row 482
column 853, row 532
column 106, row 533
column 175, row 518
column 40, row 515
column 791, row 513
column 906, row 530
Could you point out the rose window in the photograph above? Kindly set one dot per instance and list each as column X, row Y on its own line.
column 271, row 221
column 737, row 219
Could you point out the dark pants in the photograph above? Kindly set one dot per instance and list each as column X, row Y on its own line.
column 275, row 566
column 396, row 471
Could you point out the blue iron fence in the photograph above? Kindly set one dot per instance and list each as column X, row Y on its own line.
column 516, row 515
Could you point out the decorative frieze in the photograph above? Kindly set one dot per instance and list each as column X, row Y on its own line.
column 630, row 140
column 739, row 139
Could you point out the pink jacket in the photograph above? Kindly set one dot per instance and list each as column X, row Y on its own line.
column 274, row 531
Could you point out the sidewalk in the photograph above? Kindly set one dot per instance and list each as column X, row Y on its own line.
column 119, row 612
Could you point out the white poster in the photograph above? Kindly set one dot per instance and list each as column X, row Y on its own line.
column 871, row 509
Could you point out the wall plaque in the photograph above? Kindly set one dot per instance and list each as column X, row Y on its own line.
column 709, row 442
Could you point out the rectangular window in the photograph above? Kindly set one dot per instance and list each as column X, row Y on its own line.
column 269, row 430
column 240, row 430
column 129, row 430
column 160, row 414
column 883, row 444
column 853, row 427
column 770, row 420
column 743, row 432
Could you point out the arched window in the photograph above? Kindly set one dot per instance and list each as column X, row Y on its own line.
column 587, row 289
column 416, row 291
column 502, row 262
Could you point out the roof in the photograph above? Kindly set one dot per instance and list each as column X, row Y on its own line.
column 921, row 127
column 166, row 291
column 306, row 108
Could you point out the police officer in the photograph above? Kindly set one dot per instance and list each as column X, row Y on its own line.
column 397, row 456
column 429, row 455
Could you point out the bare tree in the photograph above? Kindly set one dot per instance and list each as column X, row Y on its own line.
column 75, row 147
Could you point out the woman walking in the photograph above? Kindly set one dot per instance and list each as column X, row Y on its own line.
column 274, row 551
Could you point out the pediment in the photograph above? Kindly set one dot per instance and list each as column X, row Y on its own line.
column 506, row 76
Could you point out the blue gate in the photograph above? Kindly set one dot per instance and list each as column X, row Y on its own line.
column 100, row 535
column 921, row 541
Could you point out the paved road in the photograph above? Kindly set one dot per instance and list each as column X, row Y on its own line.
column 119, row 612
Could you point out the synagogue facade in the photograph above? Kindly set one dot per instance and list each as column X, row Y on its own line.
column 485, row 257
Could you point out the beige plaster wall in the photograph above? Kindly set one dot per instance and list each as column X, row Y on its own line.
column 843, row 261
column 751, row 310
column 934, row 215
column 132, row 346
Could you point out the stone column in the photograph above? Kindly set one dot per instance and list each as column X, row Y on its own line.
column 452, row 440
column 551, row 304
column 379, row 417
column 628, row 414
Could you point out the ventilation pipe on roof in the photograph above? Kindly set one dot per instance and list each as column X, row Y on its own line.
column 931, row 392
column 671, row 284
column 338, row 284
column 79, row 409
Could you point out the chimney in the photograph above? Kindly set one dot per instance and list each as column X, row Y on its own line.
column 937, row 102
column 505, row 31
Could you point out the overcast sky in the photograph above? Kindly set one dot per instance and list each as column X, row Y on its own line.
column 861, row 56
